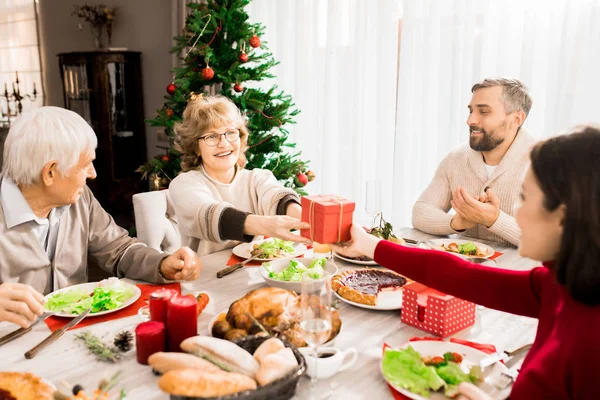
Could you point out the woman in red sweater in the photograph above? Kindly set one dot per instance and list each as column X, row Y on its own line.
column 559, row 217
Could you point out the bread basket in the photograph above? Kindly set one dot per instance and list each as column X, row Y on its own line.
column 281, row 389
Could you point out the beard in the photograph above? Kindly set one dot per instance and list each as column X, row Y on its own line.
column 487, row 142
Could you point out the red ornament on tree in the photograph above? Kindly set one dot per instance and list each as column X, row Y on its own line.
column 243, row 57
column 302, row 178
column 169, row 112
column 208, row 73
column 238, row 88
column 254, row 41
column 171, row 88
column 165, row 158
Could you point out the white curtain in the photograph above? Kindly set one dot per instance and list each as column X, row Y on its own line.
column 19, row 52
column 339, row 62
column 447, row 45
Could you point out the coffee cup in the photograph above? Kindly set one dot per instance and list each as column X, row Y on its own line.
column 330, row 361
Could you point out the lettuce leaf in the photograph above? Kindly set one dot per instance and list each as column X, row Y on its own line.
column 404, row 368
column 104, row 298
column 467, row 248
column 453, row 374
column 294, row 271
column 275, row 248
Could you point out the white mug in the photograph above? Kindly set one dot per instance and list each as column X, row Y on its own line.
column 331, row 360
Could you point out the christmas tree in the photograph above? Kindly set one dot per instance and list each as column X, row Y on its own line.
column 222, row 52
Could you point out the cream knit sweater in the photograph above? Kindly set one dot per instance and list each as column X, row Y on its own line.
column 465, row 168
column 201, row 201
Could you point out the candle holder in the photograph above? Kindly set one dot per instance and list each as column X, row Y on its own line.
column 16, row 98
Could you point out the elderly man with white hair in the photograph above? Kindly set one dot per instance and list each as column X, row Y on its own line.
column 50, row 222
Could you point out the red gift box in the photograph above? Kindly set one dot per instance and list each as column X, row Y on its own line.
column 435, row 312
column 330, row 218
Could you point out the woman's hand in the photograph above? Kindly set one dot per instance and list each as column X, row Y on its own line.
column 20, row 304
column 361, row 244
column 278, row 226
column 468, row 391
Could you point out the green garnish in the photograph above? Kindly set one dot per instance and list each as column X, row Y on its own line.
column 101, row 350
column 294, row 271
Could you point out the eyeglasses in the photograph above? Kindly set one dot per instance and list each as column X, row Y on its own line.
column 214, row 138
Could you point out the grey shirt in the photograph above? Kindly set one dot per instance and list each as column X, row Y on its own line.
column 17, row 211
column 84, row 229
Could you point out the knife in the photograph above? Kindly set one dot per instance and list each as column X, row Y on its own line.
column 492, row 359
column 21, row 331
column 56, row 334
column 234, row 267
column 509, row 357
column 513, row 360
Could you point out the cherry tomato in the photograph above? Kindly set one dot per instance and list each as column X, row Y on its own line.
column 457, row 358
column 202, row 299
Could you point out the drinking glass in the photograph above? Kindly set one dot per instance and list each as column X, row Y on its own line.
column 315, row 322
column 373, row 200
column 322, row 250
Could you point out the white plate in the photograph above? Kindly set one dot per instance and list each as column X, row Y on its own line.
column 490, row 250
column 470, row 355
column 278, row 265
column 243, row 250
column 388, row 300
column 89, row 288
column 352, row 261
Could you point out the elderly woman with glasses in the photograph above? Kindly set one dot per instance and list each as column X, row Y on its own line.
column 218, row 203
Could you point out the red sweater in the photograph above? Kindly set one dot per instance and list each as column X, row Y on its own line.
column 563, row 362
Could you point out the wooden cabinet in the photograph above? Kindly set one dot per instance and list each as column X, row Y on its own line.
column 105, row 88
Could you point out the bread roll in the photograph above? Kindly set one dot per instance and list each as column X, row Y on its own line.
column 165, row 362
column 269, row 346
column 201, row 383
column 275, row 366
column 227, row 355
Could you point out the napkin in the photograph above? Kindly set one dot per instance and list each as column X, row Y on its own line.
column 495, row 255
column 55, row 323
column 486, row 348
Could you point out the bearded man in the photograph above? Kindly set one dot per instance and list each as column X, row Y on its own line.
column 481, row 182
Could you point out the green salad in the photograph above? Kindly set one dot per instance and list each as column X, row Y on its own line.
column 274, row 248
column 110, row 294
column 293, row 272
column 467, row 248
column 406, row 369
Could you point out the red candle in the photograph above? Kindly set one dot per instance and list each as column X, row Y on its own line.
column 181, row 320
column 158, row 304
column 149, row 339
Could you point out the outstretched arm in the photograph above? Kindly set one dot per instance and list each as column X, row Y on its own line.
column 517, row 292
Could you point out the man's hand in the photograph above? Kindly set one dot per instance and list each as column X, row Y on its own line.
column 184, row 265
column 475, row 211
column 459, row 223
column 20, row 304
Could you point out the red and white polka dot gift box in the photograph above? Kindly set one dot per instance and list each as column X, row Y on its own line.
column 435, row 312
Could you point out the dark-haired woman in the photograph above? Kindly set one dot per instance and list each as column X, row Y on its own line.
column 559, row 217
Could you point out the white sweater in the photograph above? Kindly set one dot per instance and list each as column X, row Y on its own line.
column 465, row 168
column 201, row 201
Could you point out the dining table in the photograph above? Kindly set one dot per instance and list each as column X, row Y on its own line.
column 68, row 362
